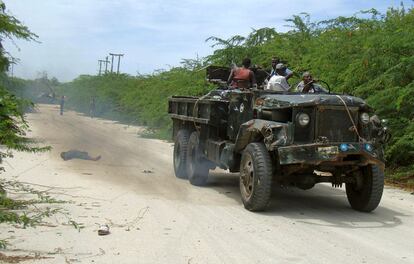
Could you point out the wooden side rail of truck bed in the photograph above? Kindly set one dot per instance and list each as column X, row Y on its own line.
column 203, row 111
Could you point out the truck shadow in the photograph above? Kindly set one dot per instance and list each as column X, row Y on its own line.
column 319, row 206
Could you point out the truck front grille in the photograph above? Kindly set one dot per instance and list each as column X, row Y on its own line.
column 334, row 124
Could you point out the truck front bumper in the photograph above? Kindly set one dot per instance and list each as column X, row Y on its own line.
column 338, row 154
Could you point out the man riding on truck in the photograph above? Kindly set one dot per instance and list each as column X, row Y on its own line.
column 242, row 78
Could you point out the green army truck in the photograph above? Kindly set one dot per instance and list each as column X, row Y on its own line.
column 290, row 139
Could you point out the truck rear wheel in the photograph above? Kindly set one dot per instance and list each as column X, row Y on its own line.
column 255, row 177
column 180, row 153
column 197, row 165
column 366, row 195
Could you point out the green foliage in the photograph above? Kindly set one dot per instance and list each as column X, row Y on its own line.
column 3, row 244
column 13, row 125
column 13, row 129
column 370, row 55
column 12, row 122
column 39, row 90
column 17, row 211
column 25, row 212
column 139, row 100
column 11, row 27
column 402, row 176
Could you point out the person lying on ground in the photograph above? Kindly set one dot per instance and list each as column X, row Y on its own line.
column 76, row 154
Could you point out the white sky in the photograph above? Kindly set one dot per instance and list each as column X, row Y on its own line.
column 155, row 34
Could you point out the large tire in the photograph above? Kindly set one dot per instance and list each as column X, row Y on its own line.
column 255, row 177
column 180, row 153
column 197, row 165
column 367, row 196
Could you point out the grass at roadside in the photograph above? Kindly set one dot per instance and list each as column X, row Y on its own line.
column 401, row 177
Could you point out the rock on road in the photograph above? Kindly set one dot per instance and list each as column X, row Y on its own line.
column 157, row 218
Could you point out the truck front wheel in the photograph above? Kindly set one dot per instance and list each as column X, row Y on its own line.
column 255, row 177
column 197, row 165
column 365, row 195
column 180, row 153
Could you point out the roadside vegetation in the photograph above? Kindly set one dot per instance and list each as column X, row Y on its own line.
column 370, row 55
column 13, row 127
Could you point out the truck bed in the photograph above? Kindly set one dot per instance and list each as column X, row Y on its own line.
column 204, row 111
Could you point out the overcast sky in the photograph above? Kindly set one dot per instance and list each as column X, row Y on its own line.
column 74, row 34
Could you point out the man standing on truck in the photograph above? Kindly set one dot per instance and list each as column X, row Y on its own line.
column 278, row 82
column 242, row 78
column 287, row 73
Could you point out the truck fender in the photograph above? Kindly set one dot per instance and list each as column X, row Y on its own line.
column 272, row 134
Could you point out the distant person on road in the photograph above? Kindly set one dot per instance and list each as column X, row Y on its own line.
column 92, row 107
column 62, row 104
column 278, row 81
column 309, row 85
column 243, row 77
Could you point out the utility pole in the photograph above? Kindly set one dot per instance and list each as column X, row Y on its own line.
column 112, row 62
column 119, row 60
column 106, row 61
column 100, row 65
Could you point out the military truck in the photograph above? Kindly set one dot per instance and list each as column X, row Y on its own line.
column 290, row 139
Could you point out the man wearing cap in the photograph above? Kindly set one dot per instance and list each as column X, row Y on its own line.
column 308, row 85
column 286, row 72
column 278, row 82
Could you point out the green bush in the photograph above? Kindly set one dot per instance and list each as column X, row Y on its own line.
column 370, row 55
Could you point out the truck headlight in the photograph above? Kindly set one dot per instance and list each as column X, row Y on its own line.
column 303, row 119
column 364, row 118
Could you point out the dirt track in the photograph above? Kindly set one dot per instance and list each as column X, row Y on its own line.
column 156, row 218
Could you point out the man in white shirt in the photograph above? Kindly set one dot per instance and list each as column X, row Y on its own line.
column 278, row 82
column 286, row 72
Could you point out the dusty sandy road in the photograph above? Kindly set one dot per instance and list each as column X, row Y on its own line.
column 156, row 218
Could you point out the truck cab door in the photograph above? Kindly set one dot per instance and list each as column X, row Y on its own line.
column 240, row 111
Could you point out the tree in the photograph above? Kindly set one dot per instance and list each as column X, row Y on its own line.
column 13, row 125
